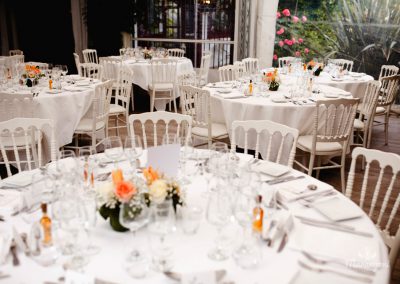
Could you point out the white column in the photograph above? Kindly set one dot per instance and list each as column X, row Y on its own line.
column 79, row 27
column 265, row 31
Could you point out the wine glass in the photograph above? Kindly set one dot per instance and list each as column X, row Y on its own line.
column 186, row 152
column 86, row 165
column 218, row 214
column 89, row 212
column 133, row 149
column 134, row 214
column 113, row 149
column 64, row 70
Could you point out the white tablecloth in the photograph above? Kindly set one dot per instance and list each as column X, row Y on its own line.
column 190, row 251
column 262, row 107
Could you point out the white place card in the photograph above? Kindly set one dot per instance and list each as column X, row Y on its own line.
column 164, row 158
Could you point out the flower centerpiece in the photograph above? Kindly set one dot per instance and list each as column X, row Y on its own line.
column 31, row 75
column 147, row 54
column 273, row 80
column 315, row 67
column 154, row 187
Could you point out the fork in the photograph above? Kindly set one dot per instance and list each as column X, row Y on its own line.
column 343, row 264
column 337, row 272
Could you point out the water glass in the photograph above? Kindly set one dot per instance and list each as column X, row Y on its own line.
column 133, row 149
column 192, row 216
column 113, row 149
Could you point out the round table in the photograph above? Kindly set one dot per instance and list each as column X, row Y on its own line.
column 270, row 105
column 190, row 251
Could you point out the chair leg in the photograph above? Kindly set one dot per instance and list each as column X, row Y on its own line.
column 318, row 165
column 173, row 97
column 387, row 127
column 311, row 165
column 152, row 100
column 117, row 125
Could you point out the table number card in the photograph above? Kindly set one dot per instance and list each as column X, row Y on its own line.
column 164, row 158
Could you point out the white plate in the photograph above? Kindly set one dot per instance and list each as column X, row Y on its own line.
column 271, row 169
column 355, row 74
column 224, row 91
column 75, row 89
column 337, row 79
column 83, row 83
column 53, row 91
column 279, row 100
column 337, row 209
column 330, row 95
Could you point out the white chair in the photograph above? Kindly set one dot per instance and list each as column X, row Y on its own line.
column 78, row 64
column 251, row 65
column 96, row 119
column 15, row 105
column 197, row 104
column 90, row 56
column 21, row 143
column 159, row 119
column 227, row 73
column 92, row 70
column 122, row 98
column 388, row 70
column 163, row 73
column 282, row 61
column 281, row 143
column 374, row 190
column 367, row 113
column 176, row 52
column 202, row 75
column 189, row 78
column 15, row 52
column 333, row 125
column 389, row 89
column 111, row 68
column 240, row 69
column 343, row 63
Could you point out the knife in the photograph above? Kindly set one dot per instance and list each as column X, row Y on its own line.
column 283, row 242
column 337, row 228
column 284, row 179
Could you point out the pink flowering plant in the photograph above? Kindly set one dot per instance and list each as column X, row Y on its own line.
column 288, row 39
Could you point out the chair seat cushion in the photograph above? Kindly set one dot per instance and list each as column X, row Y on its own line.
column 380, row 110
column 358, row 124
column 217, row 129
column 162, row 87
column 85, row 125
column 305, row 142
column 114, row 108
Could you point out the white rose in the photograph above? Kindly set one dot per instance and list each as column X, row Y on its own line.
column 158, row 191
column 106, row 191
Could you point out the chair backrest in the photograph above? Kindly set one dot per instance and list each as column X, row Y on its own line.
column 390, row 86
column 124, row 87
column 282, row 61
column 227, row 73
column 334, row 120
column 251, row 65
column 343, row 63
column 15, row 105
column 16, row 52
column 176, row 52
column 388, row 70
column 368, row 107
column 163, row 71
column 375, row 197
column 78, row 63
column 183, row 127
column 101, row 103
column 204, row 69
column 21, row 142
column 196, row 103
column 111, row 68
column 240, row 69
column 92, row 70
column 90, row 56
column 280, row 137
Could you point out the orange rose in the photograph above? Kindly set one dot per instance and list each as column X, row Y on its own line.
column 124, row 190
column 150, row 175
column 117, row 176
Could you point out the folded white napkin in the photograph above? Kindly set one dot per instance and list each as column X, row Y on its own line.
column 201, row 277
column 11, row 201
column 271, row 169
column 293, row 190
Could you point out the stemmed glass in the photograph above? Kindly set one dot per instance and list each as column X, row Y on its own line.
column 86, row 165
column 89, row 212
column 218, row 214
column 64, row 70
column 186, row 153
column 133, row 150
column 134, row 214
column 113, row 149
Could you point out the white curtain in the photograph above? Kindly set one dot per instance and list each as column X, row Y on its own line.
column 79, row 26
column 265, row 31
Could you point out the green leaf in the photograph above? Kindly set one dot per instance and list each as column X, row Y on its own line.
column 105, row 211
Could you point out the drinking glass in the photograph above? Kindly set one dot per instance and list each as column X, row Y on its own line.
column 86, row 165
column 64, row 70
column 186, row 152
column 113, row 149
column 218, row 214
column 191, row 218
column 133, row 150
column 89, row 212
column 130, row 218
